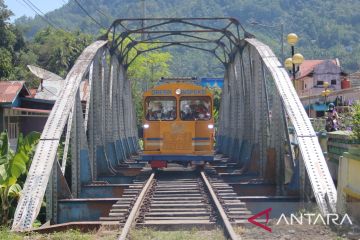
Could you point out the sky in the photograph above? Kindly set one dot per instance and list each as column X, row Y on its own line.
column 19, row 7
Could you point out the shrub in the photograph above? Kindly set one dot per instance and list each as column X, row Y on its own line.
column 356, row 120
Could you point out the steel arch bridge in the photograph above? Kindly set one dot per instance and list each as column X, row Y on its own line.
column 258, row 105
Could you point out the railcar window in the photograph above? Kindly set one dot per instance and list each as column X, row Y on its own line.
column 195, row 108
column 160, row 108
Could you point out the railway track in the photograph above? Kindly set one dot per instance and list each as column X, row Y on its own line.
column 177, row 200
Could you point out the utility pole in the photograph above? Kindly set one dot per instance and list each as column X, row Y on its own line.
column 143, row 7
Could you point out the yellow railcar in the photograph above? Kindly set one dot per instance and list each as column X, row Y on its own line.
column 178, row 124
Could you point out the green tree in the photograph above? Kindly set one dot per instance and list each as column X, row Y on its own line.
column 216, row 91
column 5, row 63
column 356, row 120
column 145, row 71
column 58, row 50
column 11, row 44
column 12, row 166
column 7, row 40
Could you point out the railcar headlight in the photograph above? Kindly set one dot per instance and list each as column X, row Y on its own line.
column 146, row 126
column 210, row 126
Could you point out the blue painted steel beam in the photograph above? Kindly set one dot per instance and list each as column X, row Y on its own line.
column 75, row 210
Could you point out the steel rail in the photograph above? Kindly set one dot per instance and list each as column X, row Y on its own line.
column 227, row 225
column 135, row 209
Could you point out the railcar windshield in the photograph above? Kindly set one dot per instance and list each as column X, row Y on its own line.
column 160, row 108
column 195, row 108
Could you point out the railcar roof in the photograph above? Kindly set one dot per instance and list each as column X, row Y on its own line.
column 177, row 85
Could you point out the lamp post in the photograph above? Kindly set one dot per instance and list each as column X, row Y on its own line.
column 326, row 92
column 292, row 63
column 279, row 26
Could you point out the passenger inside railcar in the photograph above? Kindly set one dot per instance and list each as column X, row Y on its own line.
column 192, row 110
column 160, row 108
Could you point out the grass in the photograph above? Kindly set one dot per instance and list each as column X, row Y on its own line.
column 194, row 234
column 138, row 234
column 6, row 234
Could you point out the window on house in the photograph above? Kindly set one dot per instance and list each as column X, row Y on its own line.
column 320, row 83
column 333, row 82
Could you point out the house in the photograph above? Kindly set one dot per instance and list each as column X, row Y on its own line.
column 18, row 112
column 355, row 79
column 310, row 84
column 314, row 73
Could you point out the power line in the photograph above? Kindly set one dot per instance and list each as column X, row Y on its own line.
column 35, row 7
column 87, row 13
column 102, row 13
column 45, row 19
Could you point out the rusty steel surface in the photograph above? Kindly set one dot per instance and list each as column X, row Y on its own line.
column 84, row 227
column 227, row 225
column 10, row 89
column 135, row 210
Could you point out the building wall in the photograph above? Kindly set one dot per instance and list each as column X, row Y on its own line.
column 324, row 72
column 1, row 119
column 29, row 124
column 348, row 96
column 355, row 79
column 328, row 72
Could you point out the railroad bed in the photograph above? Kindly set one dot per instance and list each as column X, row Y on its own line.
column 173, row 200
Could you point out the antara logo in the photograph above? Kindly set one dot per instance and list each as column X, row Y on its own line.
column 267, row 212
column 312, row 219
column 300, row 219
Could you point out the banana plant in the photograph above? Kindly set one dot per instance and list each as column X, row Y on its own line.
column 12, row 166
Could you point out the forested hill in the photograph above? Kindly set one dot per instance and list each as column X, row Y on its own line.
column 327, row 29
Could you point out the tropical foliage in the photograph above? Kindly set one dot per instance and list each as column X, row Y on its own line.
column 327, row 29
column 145, row 71
column 12, row 166
column 11, row 42
column 53, row 49
column 356, row 120
column 216, row 91
column 57, row 50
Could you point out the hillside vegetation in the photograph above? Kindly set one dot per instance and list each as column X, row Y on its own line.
column 327, row 29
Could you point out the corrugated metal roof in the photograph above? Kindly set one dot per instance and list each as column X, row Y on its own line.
column 49, row 90
column 10, row 89
column 52, row 85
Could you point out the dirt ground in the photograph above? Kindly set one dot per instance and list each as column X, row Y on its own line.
column 300, row 232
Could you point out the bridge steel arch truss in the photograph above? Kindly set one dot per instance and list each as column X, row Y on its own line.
column 258, row 103
column 97, row 136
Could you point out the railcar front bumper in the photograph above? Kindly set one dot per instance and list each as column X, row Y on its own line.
column 177, row 158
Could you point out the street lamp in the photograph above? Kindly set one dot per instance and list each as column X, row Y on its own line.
column 281, row 26
column 292, row 63
column 326, row 92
